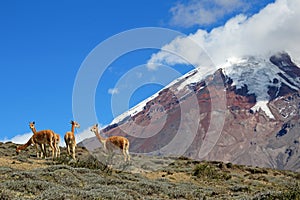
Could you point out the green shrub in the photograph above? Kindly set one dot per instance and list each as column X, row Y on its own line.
column 256, row 170
column 229, row 165
column 210, row 172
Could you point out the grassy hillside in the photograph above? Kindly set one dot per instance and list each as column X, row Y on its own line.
column 24, row 176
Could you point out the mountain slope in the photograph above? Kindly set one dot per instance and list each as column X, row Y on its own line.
column 247, row 112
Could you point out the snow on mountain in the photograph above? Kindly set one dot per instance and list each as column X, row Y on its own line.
column 257, row 74
column 134, row 110
column 193, row 76
column 258, row 125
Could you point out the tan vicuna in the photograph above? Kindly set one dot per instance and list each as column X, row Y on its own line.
column 70, row 139
column 113, row 142
column 42, row 138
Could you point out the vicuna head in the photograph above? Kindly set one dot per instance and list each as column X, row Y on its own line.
column 31, row 125
column 94, row 129
column 75, row 124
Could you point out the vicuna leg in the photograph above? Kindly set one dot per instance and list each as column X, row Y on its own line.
column 126, row 152
column 73, row 151
column 125, row 155
column 57, row 151
column 68, row 149
column 39, row 150
column 128, row 156
column 52, row 149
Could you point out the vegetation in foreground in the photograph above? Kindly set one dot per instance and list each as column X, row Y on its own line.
column 24, row 176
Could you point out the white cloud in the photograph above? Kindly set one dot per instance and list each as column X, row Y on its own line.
column 275, row 28
column 113, row 91
column 139, row 75
column 19, row 139
column 204, row 12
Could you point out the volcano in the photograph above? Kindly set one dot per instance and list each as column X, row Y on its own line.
column 246, row 112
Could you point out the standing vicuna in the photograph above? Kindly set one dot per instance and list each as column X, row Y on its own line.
column 70, row 139
column 113, row 142
column 42, row 138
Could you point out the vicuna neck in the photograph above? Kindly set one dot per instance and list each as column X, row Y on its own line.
column 28, row 143
column 33, row 130
column 101, row 139
column 73, row 128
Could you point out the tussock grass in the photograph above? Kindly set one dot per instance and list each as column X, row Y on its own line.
column 209, row 171
column 144, row 178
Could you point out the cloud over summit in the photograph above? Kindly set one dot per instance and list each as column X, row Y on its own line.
column 275, row 28
column 204, row 12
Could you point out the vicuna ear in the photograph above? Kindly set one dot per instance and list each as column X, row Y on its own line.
column 96, row 125
column 71, row 122
column 33, row 122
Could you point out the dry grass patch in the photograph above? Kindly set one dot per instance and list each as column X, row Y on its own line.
column 15, row 164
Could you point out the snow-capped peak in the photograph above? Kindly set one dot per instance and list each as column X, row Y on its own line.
column 259, row 75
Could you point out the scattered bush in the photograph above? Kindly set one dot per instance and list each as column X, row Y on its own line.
column 210, row 172
column 256, row 170
column 239, row 188
column 90, row 163
column 229, row 165
column 183, row 158
column 291, row 194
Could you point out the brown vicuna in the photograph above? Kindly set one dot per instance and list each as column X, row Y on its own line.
column 70, row 139
column 42, row 138
column 113, row 142
column 24, row 146
column 39, row 152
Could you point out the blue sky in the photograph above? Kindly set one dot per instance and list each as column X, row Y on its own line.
column 44, row 43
